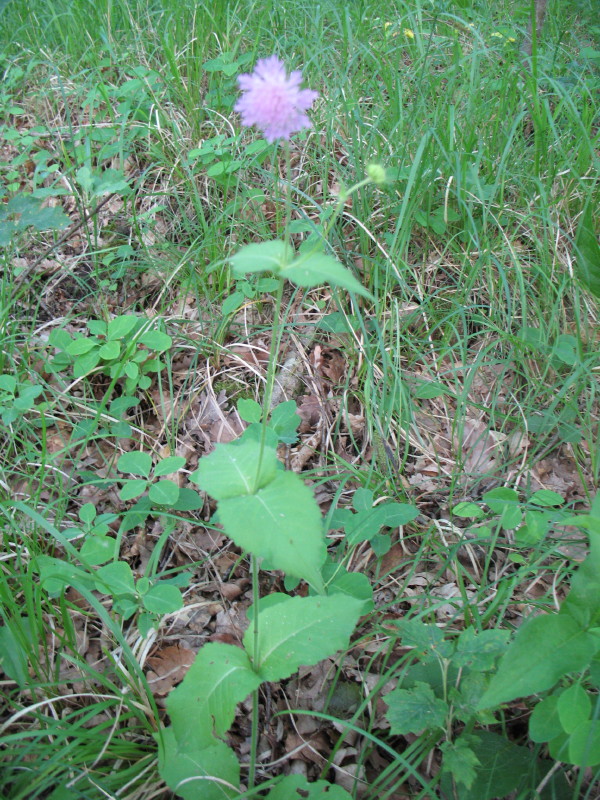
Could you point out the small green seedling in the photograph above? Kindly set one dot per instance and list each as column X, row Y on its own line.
column 126, row 347
column 16, row 398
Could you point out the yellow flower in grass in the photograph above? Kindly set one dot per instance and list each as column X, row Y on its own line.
column 497, row 35
column 408, row 33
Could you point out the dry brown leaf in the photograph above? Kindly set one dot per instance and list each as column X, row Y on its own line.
column 168, row 667
column 226, row 429
column 310, row 410
column 479, row 447
column 332, row 364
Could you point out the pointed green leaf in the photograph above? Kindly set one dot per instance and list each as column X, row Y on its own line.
column 164, row 493
column 80, row 346
column 318, row 268
column 230, row 470
column 284, row 421
column 296, row 787
column 544, row 650
column 261, row 257
column 281, row 523
column 132, row 488
column 203, row 706
column 156, row 340
column 301, row 630
column 169, row 465
column 212, row 773
column 136, row 462
column 587, row 251
column 424, row 638
column 119, row 327
column 583, row 601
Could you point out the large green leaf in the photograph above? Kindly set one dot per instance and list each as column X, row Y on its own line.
column 280, row 523
column 415, row 710
column 318, row 268
column 587, row 251
column 584, row 744
column 203, row 706
column 583, row 601
column 544, row 650
column 502, row 767
column 295, row 787
column 261, row 257
column 231, row 470
column 479, row 651
column 301, row 630
column 212, row 773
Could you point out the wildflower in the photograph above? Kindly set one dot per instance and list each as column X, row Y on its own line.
column 386, row 25
column 408, row 33
column 273, row 101
column 376, row 174
column 497, row 35
column 511, row 39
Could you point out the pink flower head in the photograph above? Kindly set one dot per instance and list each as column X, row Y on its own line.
column 273, row 101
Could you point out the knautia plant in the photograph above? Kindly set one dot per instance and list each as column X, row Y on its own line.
column 269, row 513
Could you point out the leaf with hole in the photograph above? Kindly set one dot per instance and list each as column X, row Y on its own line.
column 212, row 773
column 296, row 787
column 220, row 678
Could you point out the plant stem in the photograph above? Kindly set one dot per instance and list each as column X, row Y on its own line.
column 276, row 332
column 254, row 721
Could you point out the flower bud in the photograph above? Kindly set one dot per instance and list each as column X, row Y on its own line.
column 376, row 174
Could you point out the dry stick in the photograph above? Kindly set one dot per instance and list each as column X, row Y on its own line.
column 66, row 235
